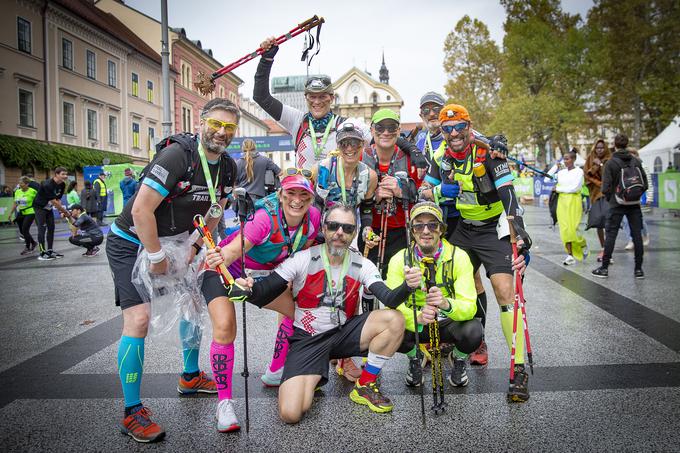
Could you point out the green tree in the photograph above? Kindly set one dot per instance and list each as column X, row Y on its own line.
column 473, row 64
column 543, row 92
column 634, row 53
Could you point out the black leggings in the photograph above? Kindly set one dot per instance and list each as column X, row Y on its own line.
column 24, row 223
column 86, row 240
column 45, row 221
column 466, row 335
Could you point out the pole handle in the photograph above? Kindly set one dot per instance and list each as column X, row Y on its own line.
column 513, row 234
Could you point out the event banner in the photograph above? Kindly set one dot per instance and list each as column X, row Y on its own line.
column 668, row 197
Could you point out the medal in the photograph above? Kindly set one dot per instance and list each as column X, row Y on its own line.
column 215, row 211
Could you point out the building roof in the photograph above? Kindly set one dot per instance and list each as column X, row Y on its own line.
column 108, row 24
column 275, row 128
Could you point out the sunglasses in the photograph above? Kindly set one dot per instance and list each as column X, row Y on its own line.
column 460, row 127
column 420, row 227
column 427, row 110
column 346, row 227
column 351, row 143
column 216, row 124
column 298, row 171
column 391, row 128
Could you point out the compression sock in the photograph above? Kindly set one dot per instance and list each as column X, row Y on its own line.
column 130, row 364
column 281, row 346
column 190, row 336
column 506, row 324
column 222, row 364
column 481, row 308
column 372, row 368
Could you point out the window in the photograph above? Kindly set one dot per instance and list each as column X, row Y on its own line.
column 186, row 119
column 67, row 53
column 375, row 98
column 287, row 157
column 389, row 98
column 658, row 165
column 23, row 35
column 135, row 135
column 91, row 65
column 152, row 138
column 91, row 124
column 113, row 129
column 356, row 99
column 135, row 84
column 149, row 90
column 69, row 119
column 113, row 74
column 221, row 92
column 25, row 108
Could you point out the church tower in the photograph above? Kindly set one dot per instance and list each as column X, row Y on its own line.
column 384, row 73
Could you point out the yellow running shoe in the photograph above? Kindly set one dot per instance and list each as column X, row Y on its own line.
column 369, row 395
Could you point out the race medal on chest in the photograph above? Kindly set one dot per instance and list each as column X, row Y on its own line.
column 215, row 211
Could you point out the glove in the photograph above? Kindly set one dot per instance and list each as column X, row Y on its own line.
column 521, row 234
column 271, row 52
column 238, row 293
column 499, row 143
column 449, row 190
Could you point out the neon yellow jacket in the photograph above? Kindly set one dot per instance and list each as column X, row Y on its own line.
column 459, row 287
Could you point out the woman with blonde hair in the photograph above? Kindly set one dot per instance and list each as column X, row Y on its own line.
column 252, row 169
column 599, row 206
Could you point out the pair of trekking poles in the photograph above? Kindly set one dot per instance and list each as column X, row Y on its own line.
column 245, row 213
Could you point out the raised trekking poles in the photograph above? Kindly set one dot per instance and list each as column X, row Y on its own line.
column 245, row 213
column 206, row 83
column 518, row 305
column 438, row 403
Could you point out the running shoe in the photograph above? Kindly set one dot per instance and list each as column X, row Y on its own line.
column 348, row 370
column 414, row 376
column 639, row 274
column 630, row 245
column 519, row 388
column 33, row 246
column 645, row 240
column 458, row 376
column 140, row 427
column 45, row 256
column 26, row 251
column 569, row 260
column 480, row 356
column 272, row 378
column 369, row 395
column 226, row 418
column 94, row 251
column 601, row 272
column 200, row 384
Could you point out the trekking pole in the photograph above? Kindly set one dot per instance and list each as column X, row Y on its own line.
column 369, row 237
column 206, row 84
column 199, row 222
column 383, row 233
column 521, row 302
column 412, row 297
column 439, row 405
column 243, row 208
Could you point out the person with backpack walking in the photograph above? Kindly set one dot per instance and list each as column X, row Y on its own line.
column 623, row 183
column 189, row 175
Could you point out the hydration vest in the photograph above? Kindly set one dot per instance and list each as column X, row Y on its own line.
column 275, row 242
column 328, row 188
column 313, row 292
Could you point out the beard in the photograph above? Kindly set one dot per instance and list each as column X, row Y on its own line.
column 336, row 251
column 210, row 145
column 427, row 250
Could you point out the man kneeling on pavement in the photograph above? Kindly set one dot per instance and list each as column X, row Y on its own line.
column 453, row 298
column 325, row 283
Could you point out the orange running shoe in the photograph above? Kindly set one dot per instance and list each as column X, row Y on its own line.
column 480, row 356
column 200, row 384
column 348, row 370
column 140, row 427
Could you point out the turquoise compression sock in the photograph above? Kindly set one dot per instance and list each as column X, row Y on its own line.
column 130, row 365
column 190, row 335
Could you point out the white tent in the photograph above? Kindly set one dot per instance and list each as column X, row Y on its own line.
column 659, row 152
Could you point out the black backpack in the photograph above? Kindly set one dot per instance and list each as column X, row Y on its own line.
column 189, row 143
column 630, row 186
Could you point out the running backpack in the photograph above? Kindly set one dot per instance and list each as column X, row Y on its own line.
column 189, row 143
column 630, row 186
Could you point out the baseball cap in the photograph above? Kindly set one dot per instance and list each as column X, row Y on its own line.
column 427, row 207
column 385, row 114
column 432, row 97
column 453, row 112
column 297, row 182
column 348, row 130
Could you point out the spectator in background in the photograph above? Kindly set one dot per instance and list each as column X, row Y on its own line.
column 99, row 186
column 23, row 205
column 570, row 209
column 626, row 226
column 599, row 206
column 72, row 196
column 128, row 185
column 87, row 233
column 251, row 170
column 49, row 196
column 89, row 199
column 6, row 192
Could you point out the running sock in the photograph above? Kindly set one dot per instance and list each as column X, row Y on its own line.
column 190, row 336
column 506, row 324
column 222, row 364
column 372, row 368
column 130, row 365
column 481, row 308
column 281, row 346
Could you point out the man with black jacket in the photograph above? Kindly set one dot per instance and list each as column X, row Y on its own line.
column 612, row 177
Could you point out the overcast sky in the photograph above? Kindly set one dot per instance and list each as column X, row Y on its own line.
column 411, row 32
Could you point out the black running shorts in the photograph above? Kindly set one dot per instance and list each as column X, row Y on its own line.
column 309, row 355
column 122, row 255
column 483, row 246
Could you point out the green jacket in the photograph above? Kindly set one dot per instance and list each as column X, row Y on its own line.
column 24, row 200
column 458, row 287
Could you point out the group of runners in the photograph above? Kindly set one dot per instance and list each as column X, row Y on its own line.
column 369, row 240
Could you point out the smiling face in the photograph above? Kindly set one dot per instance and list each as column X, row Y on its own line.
column 385, row 133
column 295, row 203
column 427, row 238
column 319, row 104
column 61, row 176
column 429, row 113
column 216, row 137
column 351, row 149
column 338, row 241
column 457, row 141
